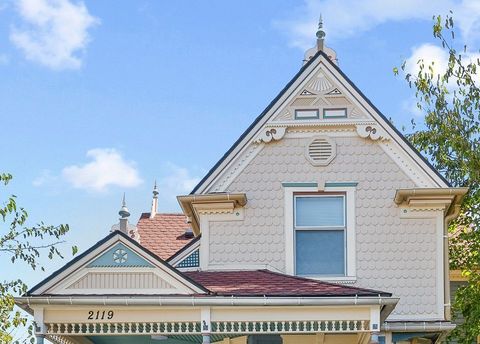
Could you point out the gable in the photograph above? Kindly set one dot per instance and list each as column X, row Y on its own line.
column 117, row 265
column 119, row 256
column 320, row 85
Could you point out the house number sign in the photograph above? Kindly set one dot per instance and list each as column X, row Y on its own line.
column 100, row 315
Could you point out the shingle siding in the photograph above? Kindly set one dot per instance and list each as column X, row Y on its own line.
column 393, row 254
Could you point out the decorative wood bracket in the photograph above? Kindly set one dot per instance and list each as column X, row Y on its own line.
column 371, row 131
column 270, row 134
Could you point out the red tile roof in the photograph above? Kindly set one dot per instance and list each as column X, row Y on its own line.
column 164, row 235
column 268, row 283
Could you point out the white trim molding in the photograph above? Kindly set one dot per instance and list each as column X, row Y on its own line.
column 348, row 188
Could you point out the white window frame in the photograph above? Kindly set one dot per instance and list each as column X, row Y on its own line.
column 348, row 190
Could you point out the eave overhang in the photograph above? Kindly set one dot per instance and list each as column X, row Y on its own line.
column 194, row 205
column 448, row 198
column 27, row 303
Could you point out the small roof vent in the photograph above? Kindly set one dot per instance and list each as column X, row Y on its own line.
column 320, row 151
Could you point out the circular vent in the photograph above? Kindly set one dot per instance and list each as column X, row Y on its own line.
column 320, row 151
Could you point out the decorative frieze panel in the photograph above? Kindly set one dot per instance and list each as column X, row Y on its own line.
column 320, row 83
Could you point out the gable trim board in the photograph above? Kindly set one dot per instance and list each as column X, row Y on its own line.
column 304, row 73
column 184, row 251
column 73, row 267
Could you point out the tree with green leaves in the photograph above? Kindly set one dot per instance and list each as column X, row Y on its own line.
column 22, row 244
column 450, row 138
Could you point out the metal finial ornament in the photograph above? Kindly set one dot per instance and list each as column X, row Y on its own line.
column 124, row 210
column 320, row 33
column 155, row 189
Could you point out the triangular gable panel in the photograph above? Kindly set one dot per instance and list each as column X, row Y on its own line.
column 117, row 265
column 119, row 256
column 324, row 81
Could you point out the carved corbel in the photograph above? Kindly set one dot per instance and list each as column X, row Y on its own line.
column 371, row 131
column 270, row 134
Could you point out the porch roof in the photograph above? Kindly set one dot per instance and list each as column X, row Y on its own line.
column 269, row 283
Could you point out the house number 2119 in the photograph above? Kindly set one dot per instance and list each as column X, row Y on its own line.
column 100, row 315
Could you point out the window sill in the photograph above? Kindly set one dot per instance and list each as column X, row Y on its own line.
column 337, row 279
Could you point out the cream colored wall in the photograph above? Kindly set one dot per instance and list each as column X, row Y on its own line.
column 303, row 339
column 392, row 254
column 320, row 339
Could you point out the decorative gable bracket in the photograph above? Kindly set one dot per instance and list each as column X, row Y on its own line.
column 371, row 131
column 269, row 134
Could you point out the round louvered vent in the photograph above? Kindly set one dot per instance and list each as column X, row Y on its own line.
column 320, row 151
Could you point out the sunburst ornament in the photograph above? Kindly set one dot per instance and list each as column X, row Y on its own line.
column 320, row 83
column 120, row 256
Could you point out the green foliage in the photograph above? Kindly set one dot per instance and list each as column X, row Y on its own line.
column 450, row 137
column 20, row 243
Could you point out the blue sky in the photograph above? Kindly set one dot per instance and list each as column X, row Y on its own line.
column 98, row 98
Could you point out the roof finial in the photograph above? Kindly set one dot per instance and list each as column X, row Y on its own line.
column 124, row 213
column 155, row 189
column 320, row 46
column 320, row 34
column 153, row 211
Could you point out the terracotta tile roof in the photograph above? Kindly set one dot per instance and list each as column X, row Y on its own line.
column 268, row 283
column 164, row 235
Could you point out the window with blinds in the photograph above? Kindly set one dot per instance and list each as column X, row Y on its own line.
column 320, row 235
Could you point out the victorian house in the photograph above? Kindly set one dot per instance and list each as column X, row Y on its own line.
column 321, row 224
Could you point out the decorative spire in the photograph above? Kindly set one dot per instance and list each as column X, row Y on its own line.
column 155, row 190
column 153, row 211
column 332, row 55
column 124, row 213
column 320, row 34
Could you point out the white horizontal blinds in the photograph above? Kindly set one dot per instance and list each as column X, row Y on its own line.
column 335, row 113
column 319, row 211
column 320, row 235
column 306, row 114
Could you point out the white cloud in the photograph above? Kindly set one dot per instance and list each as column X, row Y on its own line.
column 409, row 106
column 427, row 54
column 349, row 17
column 4, row 59
column 107, row 168
column 46, row 177
column 53, row 33
column 176, row 181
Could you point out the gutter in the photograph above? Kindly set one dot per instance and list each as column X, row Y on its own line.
column 418, row 326
column 189, row 202
column 203, row 301
column 446, row 271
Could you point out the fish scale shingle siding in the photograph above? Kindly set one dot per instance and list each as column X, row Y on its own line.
column 395, row 255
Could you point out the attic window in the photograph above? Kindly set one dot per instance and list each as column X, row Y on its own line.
column 335, row 113
column 307, row 114
column 321, row 151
